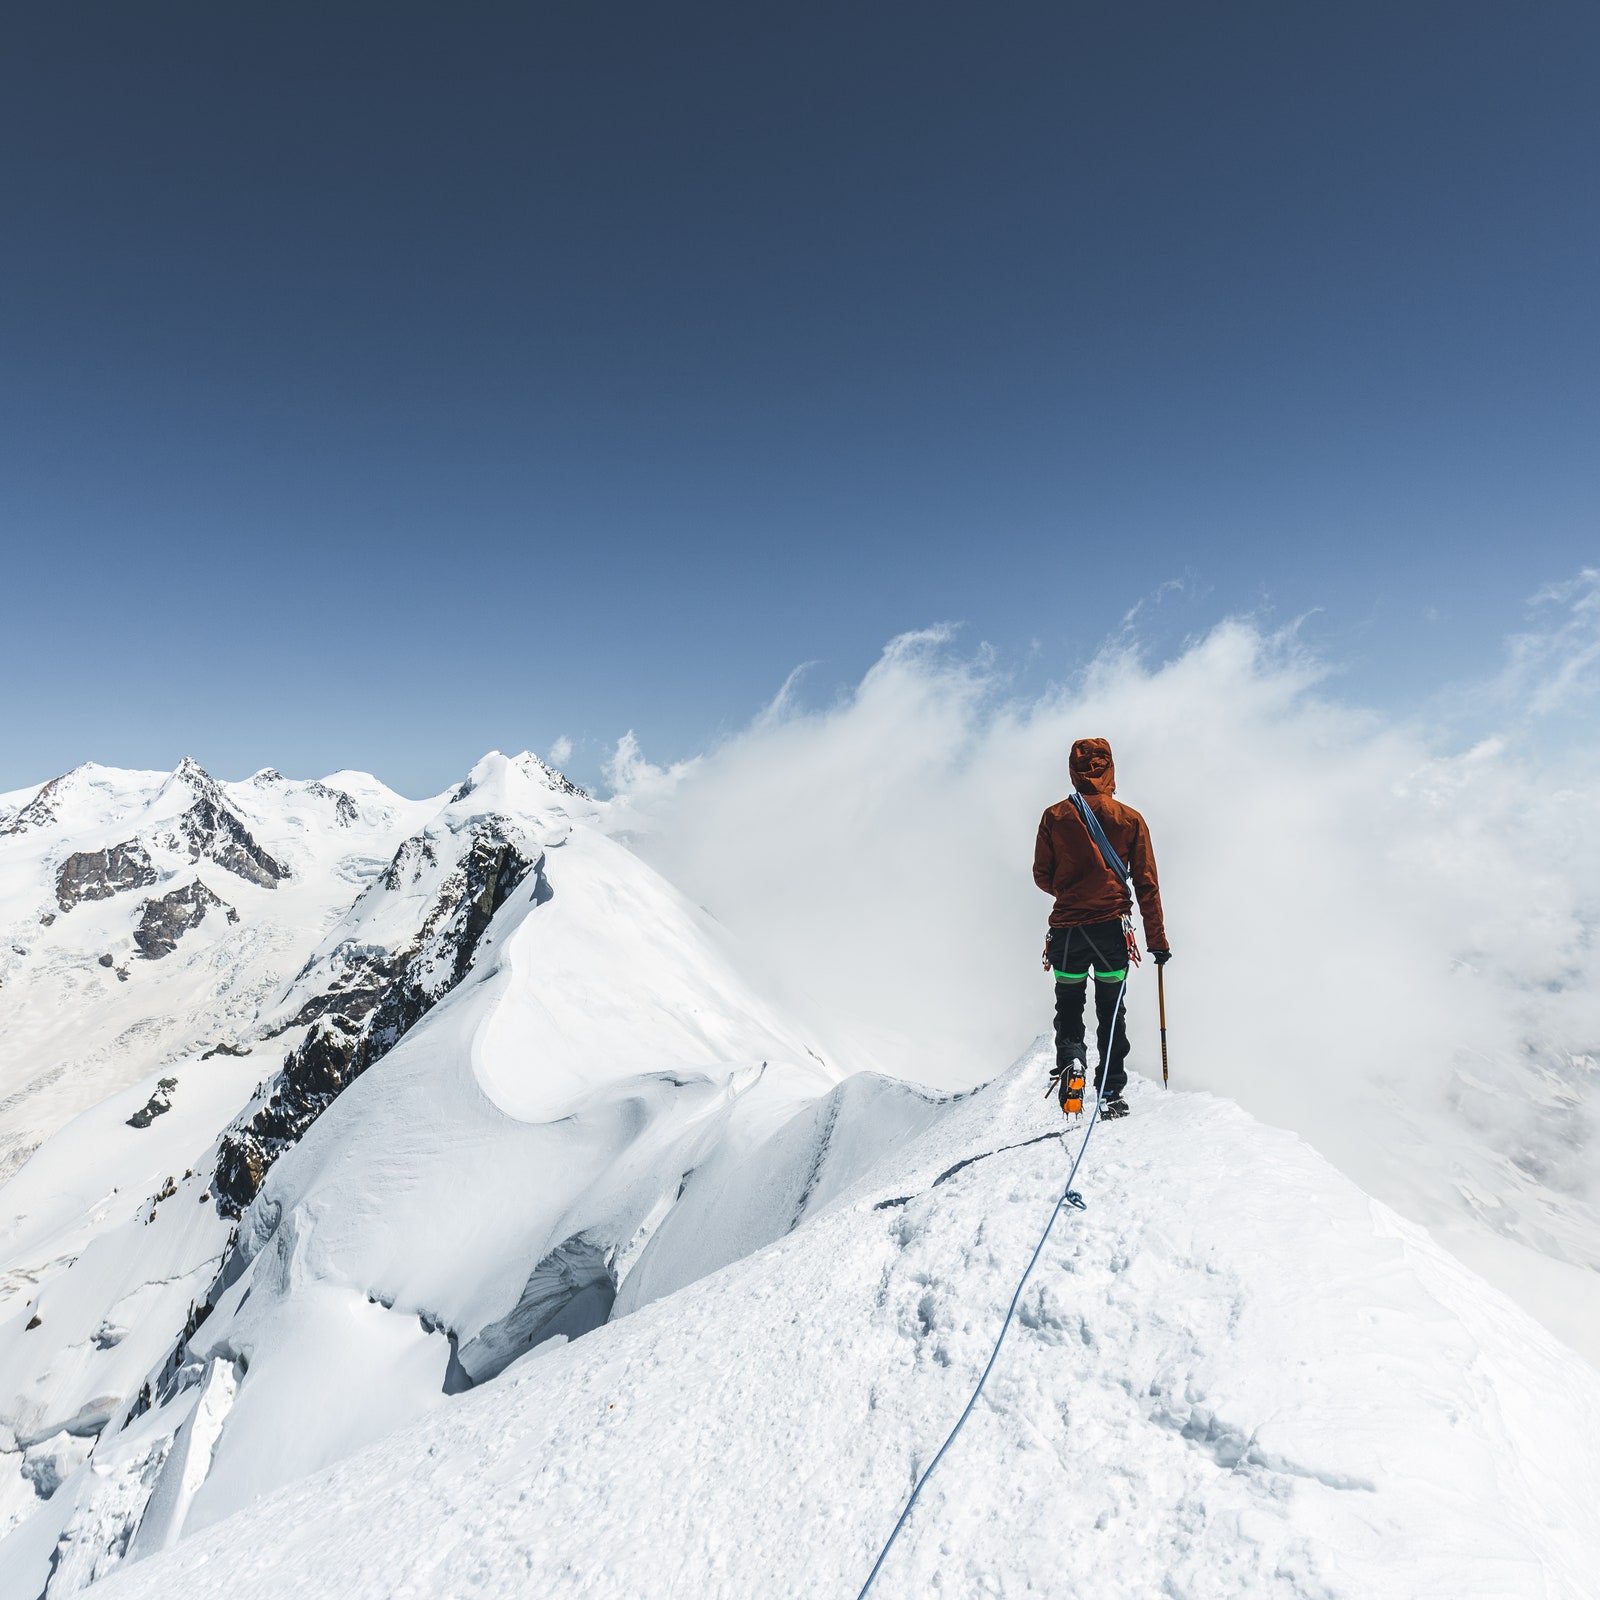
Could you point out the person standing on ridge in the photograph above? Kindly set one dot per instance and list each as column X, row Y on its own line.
column 1091, row 922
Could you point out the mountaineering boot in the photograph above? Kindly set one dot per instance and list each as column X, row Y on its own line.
column 1067, row 1075
column 1111, row 1109
column 1071, row 1082
column 1070, row 1057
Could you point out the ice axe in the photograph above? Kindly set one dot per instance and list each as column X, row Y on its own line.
column 1161, row 998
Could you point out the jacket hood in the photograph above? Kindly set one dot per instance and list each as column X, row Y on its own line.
column 1093, row 771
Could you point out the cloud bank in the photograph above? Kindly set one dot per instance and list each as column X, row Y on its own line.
column 1380, row 942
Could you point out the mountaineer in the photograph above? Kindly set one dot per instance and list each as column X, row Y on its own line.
column 1091, row 924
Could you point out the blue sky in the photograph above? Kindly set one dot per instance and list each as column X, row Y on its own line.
column 382, row 383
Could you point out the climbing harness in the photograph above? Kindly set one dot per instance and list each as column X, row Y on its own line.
column 1069, row 1197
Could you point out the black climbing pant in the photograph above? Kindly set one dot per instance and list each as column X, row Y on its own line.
column 1074, row 953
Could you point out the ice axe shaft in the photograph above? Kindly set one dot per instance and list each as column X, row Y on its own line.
column 1161, row 996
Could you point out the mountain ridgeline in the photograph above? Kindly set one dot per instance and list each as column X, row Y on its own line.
column 410, row 1193
column 374, row 994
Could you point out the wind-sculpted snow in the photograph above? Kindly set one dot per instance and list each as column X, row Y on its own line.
column 1233, row 1375
column 376, row 993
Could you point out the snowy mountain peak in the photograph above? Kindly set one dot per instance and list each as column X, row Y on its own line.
column 74, row 796
column 40, row 811
column 519, row 781
column 199, row 821
column 346, row 809
column 189, row 771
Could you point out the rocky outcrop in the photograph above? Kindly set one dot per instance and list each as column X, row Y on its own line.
column 409, row 860
column 99, row 874
column 345, row 811
column 40, row 811
column 376, row 996
column 558, row 781
column 210, row 829
column 155, row 1106
column 166, row 920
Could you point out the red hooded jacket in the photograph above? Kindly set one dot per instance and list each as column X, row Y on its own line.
column 1067, row 864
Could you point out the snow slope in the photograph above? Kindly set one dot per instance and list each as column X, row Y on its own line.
column 1234, row 1374
column 565, row 1111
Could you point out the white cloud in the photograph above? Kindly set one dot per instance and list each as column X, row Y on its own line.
column 561, row 751
column 1380, row 944
column 1552, row 669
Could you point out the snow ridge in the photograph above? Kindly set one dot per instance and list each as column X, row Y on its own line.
column 1232, row 1375
column 510, row 1235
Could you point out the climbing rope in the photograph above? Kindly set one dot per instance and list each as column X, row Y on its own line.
column 1069, row 1196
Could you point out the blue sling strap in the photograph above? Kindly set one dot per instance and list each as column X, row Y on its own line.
column 1098, row 834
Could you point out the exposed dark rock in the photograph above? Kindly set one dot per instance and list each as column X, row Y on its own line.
column 99, row 874
column 166, row 920
column 159, row 1102
column 208, row 828
column 108, row 961
column 226, row 1050
column 33, row 1322
column 409, row 860
column 40, row 811
column 47, row 919
column 354, row 993
column 345, row 811
column 372, row 1003
column 558, row 781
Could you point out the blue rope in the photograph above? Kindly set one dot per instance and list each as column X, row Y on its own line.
column 1069, row 1196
